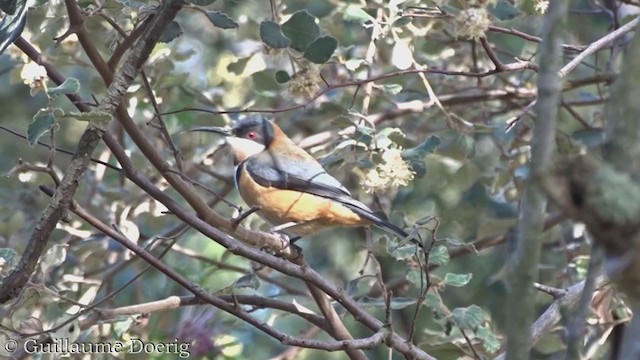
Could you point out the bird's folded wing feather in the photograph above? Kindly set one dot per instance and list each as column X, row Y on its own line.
column 311, row 178
column 299, row 176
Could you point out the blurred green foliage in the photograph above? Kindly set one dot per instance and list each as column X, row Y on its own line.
column 235, row 55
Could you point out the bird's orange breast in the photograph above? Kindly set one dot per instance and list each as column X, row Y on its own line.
column 312, row 213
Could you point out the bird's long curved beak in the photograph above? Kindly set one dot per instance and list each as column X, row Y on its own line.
column 213, row 129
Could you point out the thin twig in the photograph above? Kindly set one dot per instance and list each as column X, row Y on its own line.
column 592, row 48
column 161, row 124
column 15, row 281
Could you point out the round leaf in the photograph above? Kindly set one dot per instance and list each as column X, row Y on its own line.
column 503, row 10
column 69, row 86
column 172, row 31
column 321, row 49
column 249, row 281
column 282, row 76
column 302, row 29
column 439, row 255
column 42, row 122
column 468, row 317
column 221, row 20
column 457, row 280
column 271, row 35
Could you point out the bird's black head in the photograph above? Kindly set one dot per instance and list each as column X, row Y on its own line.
column 257, row 129
column 247, row 137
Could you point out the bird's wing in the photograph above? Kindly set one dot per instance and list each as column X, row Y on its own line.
column 304, row 176
column 307, row 178
column 310, row 177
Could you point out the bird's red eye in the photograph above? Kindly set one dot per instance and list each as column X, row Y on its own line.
column 251, row 135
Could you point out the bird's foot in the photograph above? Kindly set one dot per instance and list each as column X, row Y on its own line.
column 276, row 230
column 243, row 215
column 294, row 239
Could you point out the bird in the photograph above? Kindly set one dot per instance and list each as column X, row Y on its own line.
column 288, row 187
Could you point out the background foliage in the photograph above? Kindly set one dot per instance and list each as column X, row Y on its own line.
column 450, row 84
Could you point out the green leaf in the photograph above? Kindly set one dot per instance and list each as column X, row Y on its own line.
column 302, row 29
column 98, row 116
column 401, row 252
column 69, row 86
column 489, row 339
column 415, row 156
column 12, row 24
column 426, row 147
column 503, row 10
column 202, row 2
column 457, row 280
column 282, row 76
column 434, row 302
column 458, row 243
column 469, row 317
column 396, row 303
column 392, row 89
column 250, row 281
column 42, row 122
column 221, row 20
column 272, row 36
column 321, row 49
column 357, row 14
column 439, row 255
column 416, row 277
column 172, row 31
column 389, row 136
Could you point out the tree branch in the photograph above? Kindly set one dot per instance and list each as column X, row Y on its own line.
column 174, row 302
column 11, row 286
column 592, row 48
column 175, row 178
column 336, row 327
column 553, row 314
column 523, row 269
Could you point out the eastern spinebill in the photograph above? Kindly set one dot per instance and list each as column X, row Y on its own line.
column 290, row 189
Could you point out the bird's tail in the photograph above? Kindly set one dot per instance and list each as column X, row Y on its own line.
column 382, row 223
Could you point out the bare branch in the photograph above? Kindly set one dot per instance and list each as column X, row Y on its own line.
column 592, row 48
column 553, row 314
column 14, row 282
column 523, row 269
